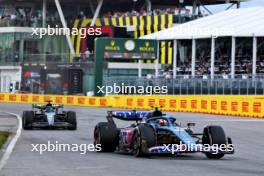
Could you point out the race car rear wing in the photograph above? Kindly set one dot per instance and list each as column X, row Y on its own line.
column 43, row 106
column 128, row 115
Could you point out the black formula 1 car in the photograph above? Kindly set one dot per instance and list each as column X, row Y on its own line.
column 156, row 133
column 49, row 116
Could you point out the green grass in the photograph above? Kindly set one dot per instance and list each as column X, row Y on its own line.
column 3, row 138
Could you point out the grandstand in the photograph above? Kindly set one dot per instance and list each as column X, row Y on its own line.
column 218, row 35
column 138, row 17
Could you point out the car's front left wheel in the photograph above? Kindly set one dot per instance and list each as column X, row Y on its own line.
column 71, row 119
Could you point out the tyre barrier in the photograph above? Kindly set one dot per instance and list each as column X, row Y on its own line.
column 244, row 106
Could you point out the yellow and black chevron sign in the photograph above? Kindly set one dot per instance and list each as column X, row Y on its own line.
column 143, row 25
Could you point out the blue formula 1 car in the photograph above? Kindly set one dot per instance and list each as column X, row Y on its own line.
column 155, row 133
column 49, row 116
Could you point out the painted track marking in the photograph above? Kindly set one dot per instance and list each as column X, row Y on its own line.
column 13, row 142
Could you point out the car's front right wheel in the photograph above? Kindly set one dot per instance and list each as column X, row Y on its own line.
column 144, row 138
column 27, row 120
column 214, row 135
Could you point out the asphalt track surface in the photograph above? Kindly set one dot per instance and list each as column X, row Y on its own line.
column 247, row 135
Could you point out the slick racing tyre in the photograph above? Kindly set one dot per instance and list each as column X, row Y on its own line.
column 27, row 120
column 106, row 135
column 71, row 119
column 144, row 138
column 214, row 135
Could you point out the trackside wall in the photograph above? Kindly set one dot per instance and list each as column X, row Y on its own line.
column 245, row 106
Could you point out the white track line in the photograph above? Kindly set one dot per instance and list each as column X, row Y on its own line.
column 234, row 120
column 12, row 144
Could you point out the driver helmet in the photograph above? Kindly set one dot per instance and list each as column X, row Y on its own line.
column 49, row 109
column 162, row 122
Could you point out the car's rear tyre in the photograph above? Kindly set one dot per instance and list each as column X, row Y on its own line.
column 106, row 135
column 71, row 119
column 214, row 135
column 144, row 138
column 27, row 120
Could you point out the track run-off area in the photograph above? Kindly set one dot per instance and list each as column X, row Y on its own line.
column 246, row 133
